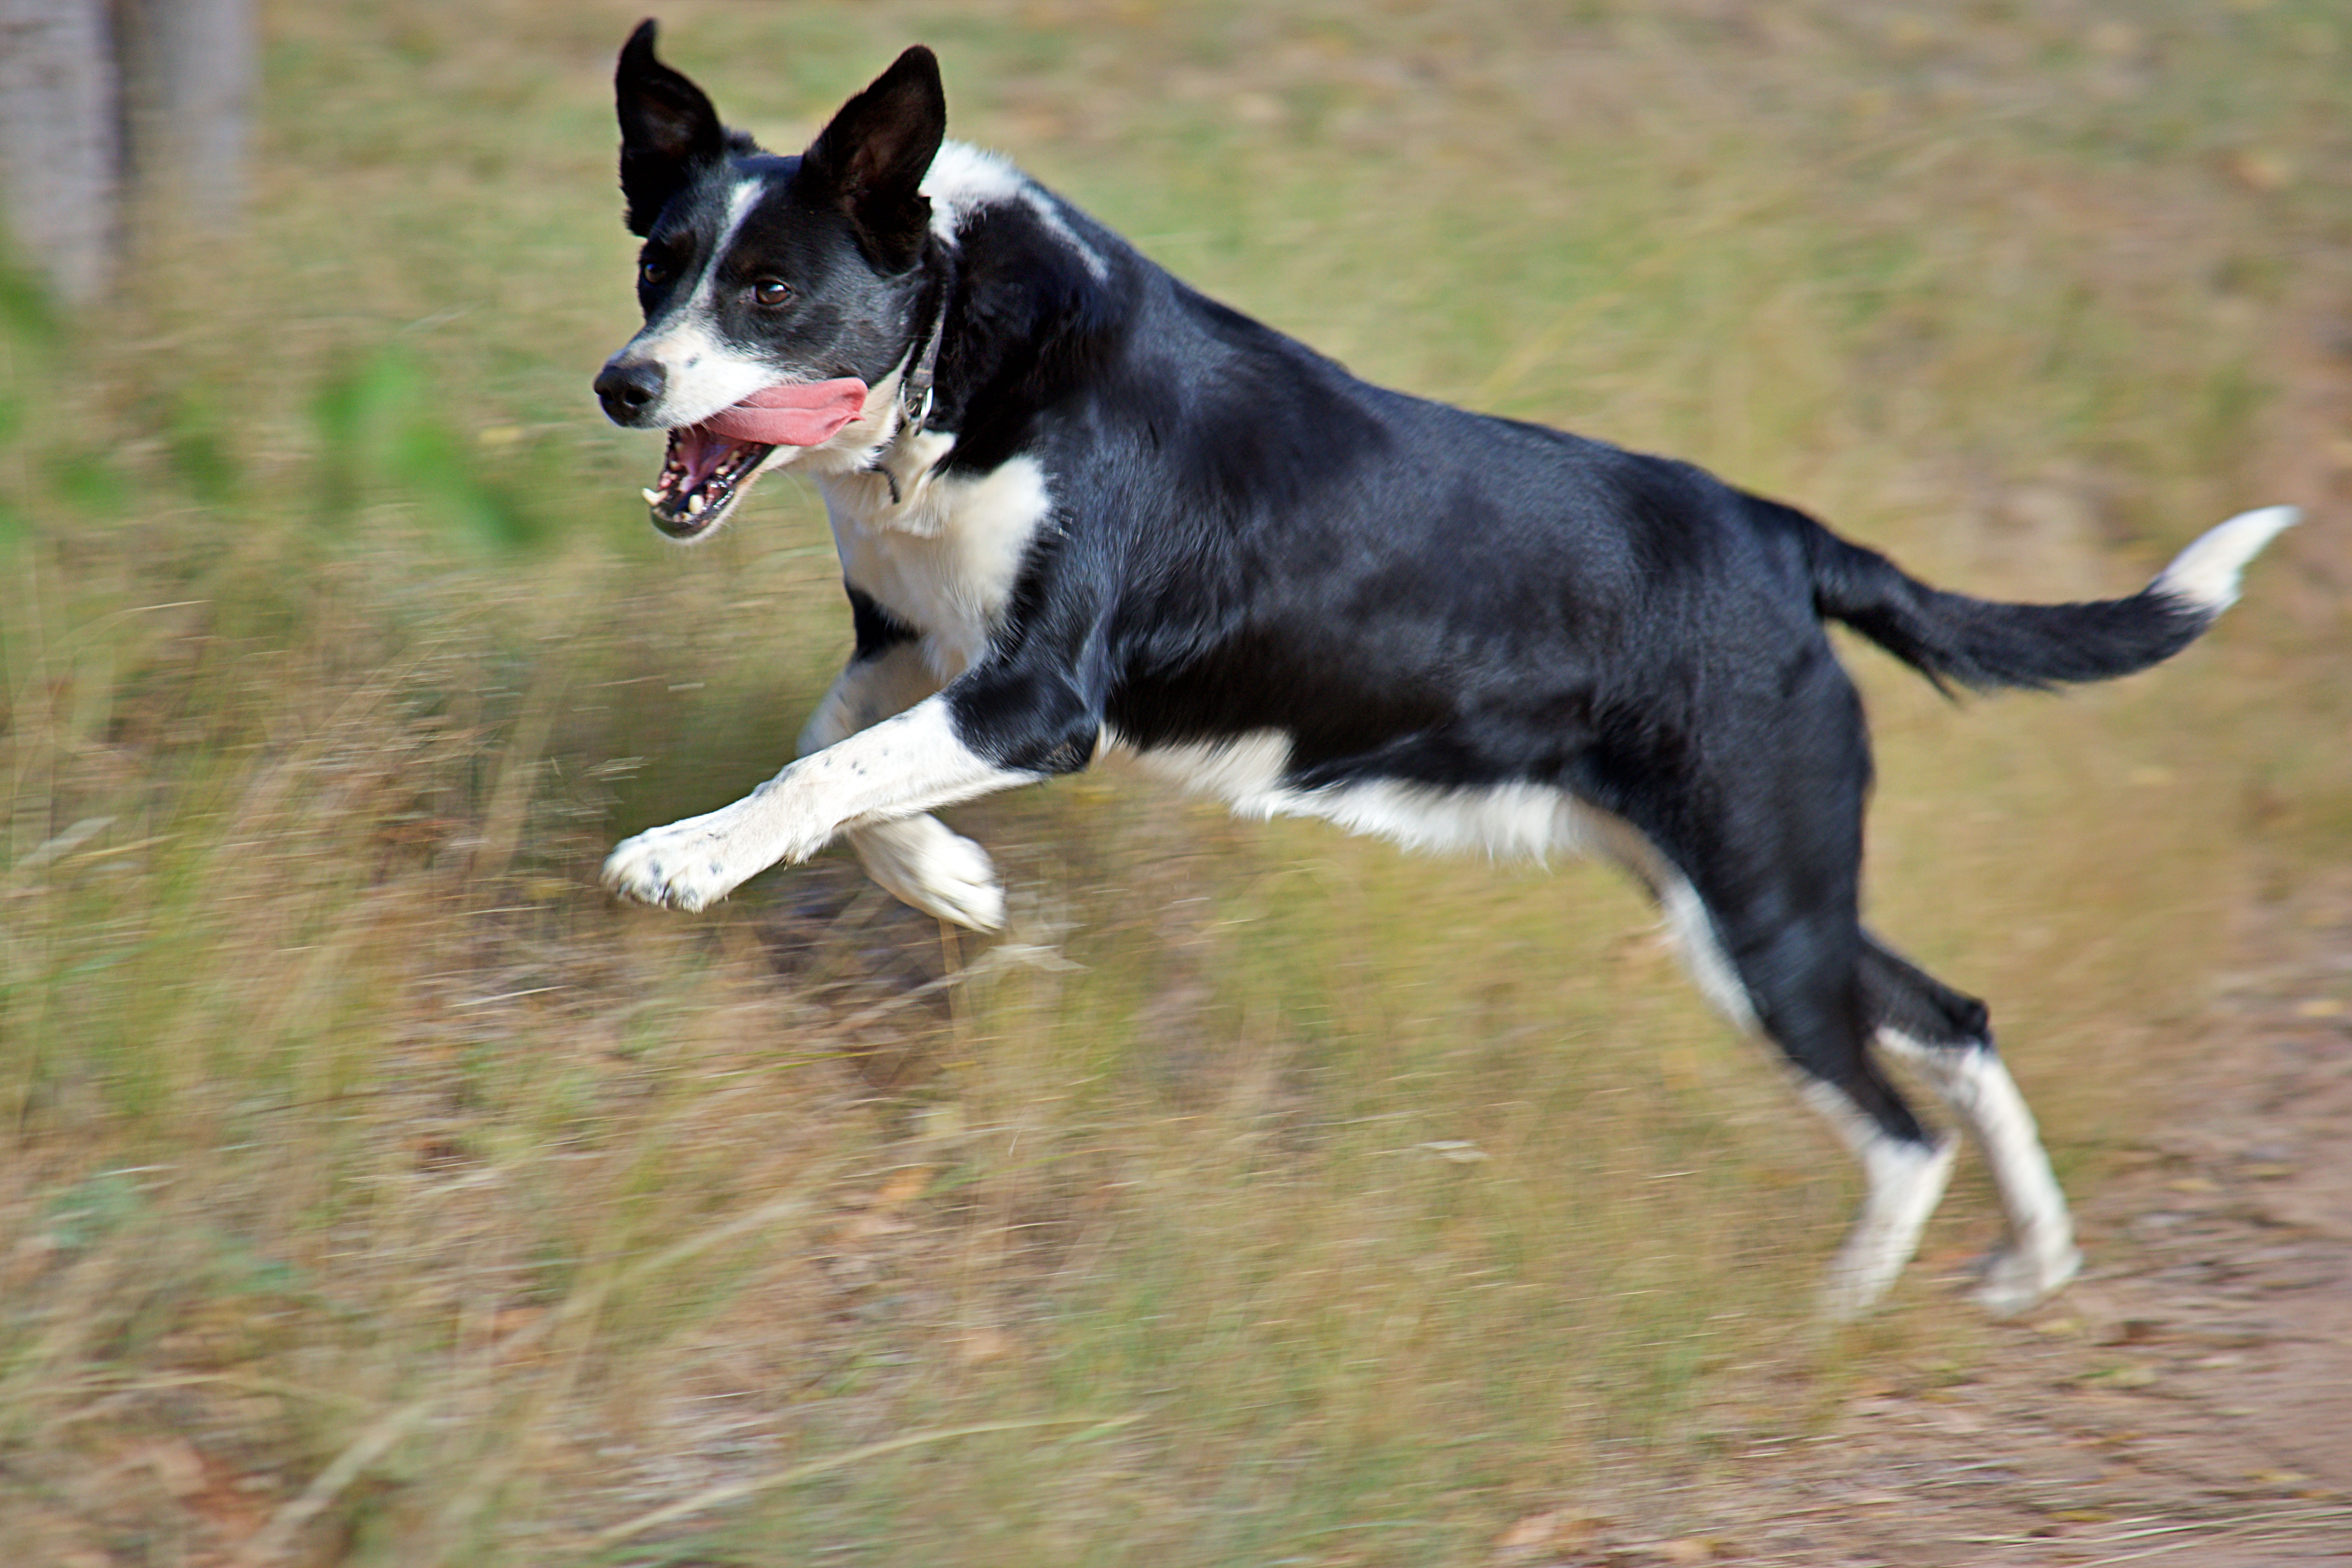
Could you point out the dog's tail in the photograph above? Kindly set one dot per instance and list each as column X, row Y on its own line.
column 1950, row 638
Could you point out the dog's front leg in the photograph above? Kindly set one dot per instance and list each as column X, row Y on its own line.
column 919, row 859
column 900, row 767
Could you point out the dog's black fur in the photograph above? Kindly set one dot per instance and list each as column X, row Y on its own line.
column 1245, row 540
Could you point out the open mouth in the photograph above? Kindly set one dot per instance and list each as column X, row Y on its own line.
column 702, row 478
column 711, row 464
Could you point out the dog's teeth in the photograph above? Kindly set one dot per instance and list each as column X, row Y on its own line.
column 696, row 504
column 652, row 496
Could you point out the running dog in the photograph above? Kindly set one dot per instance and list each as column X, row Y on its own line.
column 1081, row 507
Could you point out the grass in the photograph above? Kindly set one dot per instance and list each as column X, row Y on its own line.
column 376, row 1192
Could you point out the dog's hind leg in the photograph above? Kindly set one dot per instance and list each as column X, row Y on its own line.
column 1948, row 1038
column 1905, row 1172
column 1802, row 982
column 1758, row 865
column 1793, row 977
column 1799, row 980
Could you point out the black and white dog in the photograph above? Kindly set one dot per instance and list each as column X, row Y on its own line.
column 1080, row 506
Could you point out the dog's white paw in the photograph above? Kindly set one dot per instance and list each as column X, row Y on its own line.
column 922, row 861
column 1907, row 1181
column 2014, row 1278
column 684, row 865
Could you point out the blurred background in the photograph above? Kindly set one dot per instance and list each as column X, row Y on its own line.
column 376, row 1191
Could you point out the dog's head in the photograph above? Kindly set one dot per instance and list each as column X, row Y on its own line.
column 779, row 292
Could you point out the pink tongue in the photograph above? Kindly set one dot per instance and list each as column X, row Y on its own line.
column 791, row 414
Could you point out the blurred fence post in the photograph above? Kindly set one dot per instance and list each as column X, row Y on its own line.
column 60, row 140
column 111, row 109
column 189, row 69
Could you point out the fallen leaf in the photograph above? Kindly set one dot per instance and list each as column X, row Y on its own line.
column 509, row 1321
column 2130, row 1376
column 1554, row 1529
column 984, row 1345
column 904, row 1187
column 176, row 1464
column 2262, row 168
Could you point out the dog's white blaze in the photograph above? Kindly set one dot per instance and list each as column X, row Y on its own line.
column 2205, row 576
column 943, row 561
column 739, row 202
column 701, row 371
column 963, row 179
column 1975, row 1083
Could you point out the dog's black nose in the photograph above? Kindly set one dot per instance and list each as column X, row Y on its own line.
column 627, row 388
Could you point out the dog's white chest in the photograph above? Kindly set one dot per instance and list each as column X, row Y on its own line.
column 943, row 560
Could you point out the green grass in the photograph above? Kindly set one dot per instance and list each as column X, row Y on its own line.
column 374, row 1185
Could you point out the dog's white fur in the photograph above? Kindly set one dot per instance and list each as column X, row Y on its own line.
column 2206, row 573
column 919, row 858
column 906, row 764
column 1902, row 1184
column 944, row 557
column 2040, row 1254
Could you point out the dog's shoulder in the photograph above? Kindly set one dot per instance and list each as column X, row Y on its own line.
column 938, row 529
column 971, row 189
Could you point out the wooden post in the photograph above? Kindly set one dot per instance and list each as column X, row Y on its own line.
column 60, row 141
column 117, row 109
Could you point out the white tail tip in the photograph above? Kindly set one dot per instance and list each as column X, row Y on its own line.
column 2205, row 576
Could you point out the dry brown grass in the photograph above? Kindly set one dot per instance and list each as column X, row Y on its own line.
column 376, row 1192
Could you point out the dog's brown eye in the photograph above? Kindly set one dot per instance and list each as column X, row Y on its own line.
column 772, row 291
column 652, row 274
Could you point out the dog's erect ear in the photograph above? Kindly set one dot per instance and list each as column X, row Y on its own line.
column 876, row 151
column 668, row 129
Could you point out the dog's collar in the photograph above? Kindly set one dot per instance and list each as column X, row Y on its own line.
column 916, row 393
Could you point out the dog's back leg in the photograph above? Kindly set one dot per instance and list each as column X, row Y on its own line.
column 1948, row 1037
column 1757, row 859
column 1799, row 975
